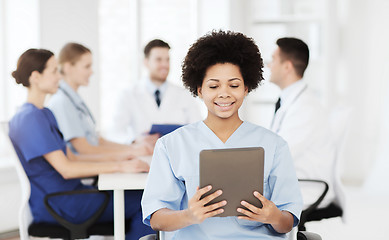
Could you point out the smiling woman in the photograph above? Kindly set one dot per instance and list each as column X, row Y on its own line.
column 221, row 68
column 223, row 91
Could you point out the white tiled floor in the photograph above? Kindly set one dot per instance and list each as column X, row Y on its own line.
column 367, row 218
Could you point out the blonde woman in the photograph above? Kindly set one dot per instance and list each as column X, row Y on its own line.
column 76, row 122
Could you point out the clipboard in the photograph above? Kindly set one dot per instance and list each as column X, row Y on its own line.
column 164, row 129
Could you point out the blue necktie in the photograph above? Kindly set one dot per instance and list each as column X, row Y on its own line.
column 157, row 99
column 278, row 105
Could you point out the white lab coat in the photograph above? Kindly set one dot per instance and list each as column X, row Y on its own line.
column 304, row 123
column 136, row 110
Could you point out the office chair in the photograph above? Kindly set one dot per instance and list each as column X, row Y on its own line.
column 64, row 229
column 339, row 118
column 300, row 236
column 313, row 212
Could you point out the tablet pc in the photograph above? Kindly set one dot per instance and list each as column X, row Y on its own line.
column 238, row 172
column 164, row 129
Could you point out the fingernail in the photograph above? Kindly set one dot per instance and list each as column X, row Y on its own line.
column 224, row 202
column 243, row 202
column 221, row 210
column 209, row 187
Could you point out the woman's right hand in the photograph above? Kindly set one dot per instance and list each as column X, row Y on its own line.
column 197, row 212
column 149, row 139
column 141, row 149
column 134, row 165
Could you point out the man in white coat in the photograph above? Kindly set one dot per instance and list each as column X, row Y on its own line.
column 153, row 100
column 300, row 118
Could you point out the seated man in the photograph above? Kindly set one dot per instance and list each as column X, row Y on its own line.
column 300, row 118
column 153, row 100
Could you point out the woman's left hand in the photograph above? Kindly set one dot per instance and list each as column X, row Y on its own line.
column 269, row 213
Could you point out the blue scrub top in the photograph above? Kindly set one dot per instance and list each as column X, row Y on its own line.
column 34, row 132
column 174, row 176
column 73, row 116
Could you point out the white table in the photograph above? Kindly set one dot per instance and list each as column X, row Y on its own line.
column 118, row 182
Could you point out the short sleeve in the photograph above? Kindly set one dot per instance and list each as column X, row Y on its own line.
column 285, row 190
column 67, row 116
column 34, row 135
column 163, row 189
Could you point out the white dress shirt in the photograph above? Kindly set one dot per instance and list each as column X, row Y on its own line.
column 304, row 123
column 136, row 110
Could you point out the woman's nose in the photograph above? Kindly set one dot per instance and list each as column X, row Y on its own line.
column 224, row 92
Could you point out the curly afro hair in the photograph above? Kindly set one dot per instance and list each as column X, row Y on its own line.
column 222, row 47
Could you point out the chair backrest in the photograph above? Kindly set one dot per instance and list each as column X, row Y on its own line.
column 340, row 122
column 25, row 216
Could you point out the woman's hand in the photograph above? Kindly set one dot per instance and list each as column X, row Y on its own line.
column 269, row 213
column 149, row 139
column 135, row 166
column 197, row 212
column 141, row 149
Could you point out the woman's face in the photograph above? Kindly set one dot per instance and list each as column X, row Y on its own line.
column 48, row 80
column 80, row 72
column 223, row 90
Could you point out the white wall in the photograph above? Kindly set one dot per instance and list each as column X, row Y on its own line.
column 19, row 24
column 365, row 53
column 76, row 21
column 369, row 88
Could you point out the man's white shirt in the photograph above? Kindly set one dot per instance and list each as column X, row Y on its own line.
column 136, row 110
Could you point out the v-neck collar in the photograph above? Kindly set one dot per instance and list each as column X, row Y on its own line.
column 211, row 134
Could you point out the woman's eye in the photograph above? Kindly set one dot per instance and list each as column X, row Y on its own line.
column 212, row 86
column 234, row 86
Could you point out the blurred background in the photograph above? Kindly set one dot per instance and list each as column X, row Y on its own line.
column 348, row 69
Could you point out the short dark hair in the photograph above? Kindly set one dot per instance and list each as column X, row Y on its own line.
column 222, row 47
column 296, row 51
column 30, row 61
column 153, row 44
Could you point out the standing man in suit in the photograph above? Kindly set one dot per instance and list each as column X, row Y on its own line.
column 300, row 118
column 153, row 100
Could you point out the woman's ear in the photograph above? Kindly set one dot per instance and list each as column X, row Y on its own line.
column 199, row 90
column 34, row 77
column 66, row 68
column 246, row 91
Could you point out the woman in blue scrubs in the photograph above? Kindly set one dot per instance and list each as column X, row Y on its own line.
column 50, row 166
column 221, row 68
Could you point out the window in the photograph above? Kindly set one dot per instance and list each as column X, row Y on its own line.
column 125, row 28
column 19, row 30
